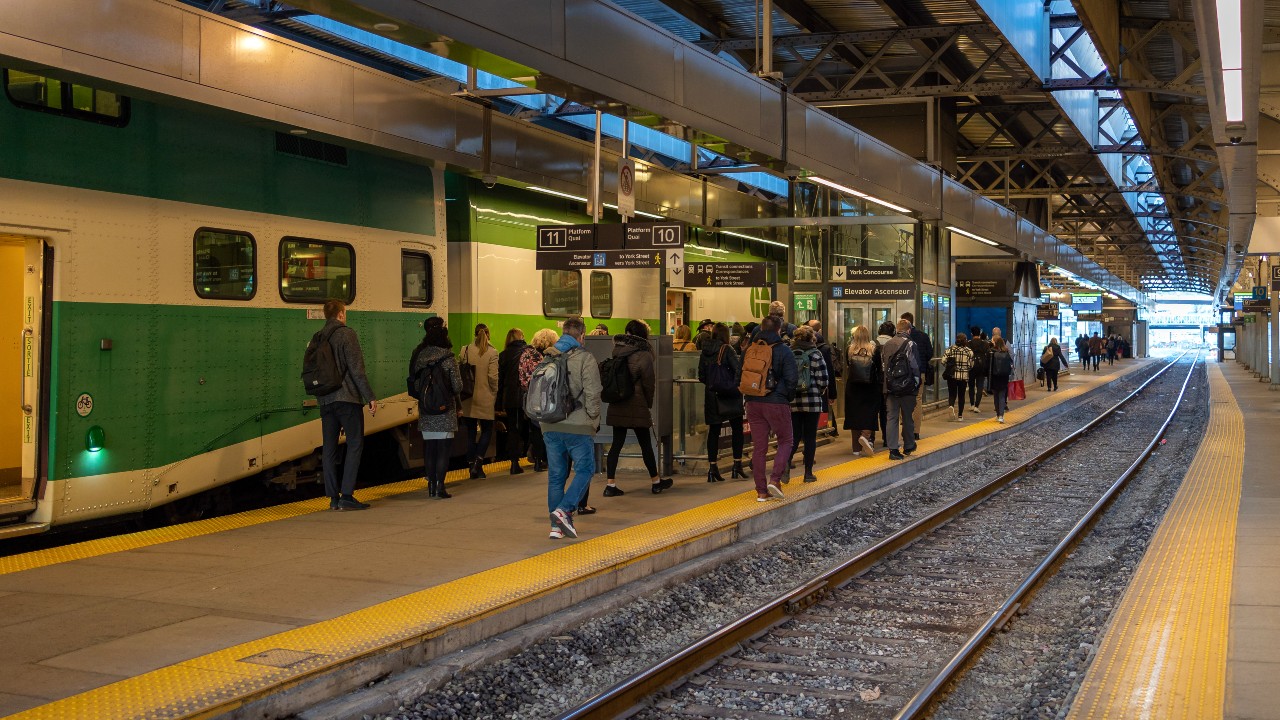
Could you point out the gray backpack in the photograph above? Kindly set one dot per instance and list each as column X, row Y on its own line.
column 548, row 398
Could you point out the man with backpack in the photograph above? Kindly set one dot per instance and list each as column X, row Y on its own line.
column 981, row 350
column 333, row 371
column 768, row 382
column 924, row 355
column 901, row 385
column 564, row 399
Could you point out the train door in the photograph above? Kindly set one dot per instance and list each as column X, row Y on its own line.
column 21, row 313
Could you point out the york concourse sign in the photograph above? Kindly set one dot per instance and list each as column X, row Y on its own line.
column 841, row 273
column 726, row 274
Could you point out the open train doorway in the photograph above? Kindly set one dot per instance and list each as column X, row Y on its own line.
column 22, row 272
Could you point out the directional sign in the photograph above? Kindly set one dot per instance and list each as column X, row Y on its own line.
column 1259, row 292
column 654, row 235
column 841, row 273
column 1047, row 311
column 873, row 290
column 1275, row 272
column 727, row 274
column 648, row 259
column 674, row 259
column 1256, row 306
column 566, row 237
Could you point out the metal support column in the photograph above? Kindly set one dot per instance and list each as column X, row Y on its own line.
column 1274, row 326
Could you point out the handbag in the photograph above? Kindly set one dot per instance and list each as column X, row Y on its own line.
column 468, row 373
column 1017, row 390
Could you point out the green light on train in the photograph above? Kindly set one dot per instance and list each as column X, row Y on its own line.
column 95, row 439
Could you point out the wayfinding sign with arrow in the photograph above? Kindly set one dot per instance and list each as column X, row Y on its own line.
column 630, row 245
column 674, row 259
column 727, row 274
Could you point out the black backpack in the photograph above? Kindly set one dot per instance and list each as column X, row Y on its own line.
column 321, row 373
column 898, row 373
column 434, row 390
column 616, row 383
column 949, row 370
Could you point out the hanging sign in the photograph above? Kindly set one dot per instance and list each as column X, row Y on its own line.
column 841, row 273
column 1047, row 311
column 873, row 290
column 673, row 259
column 727, row 274
column 627, row 187
column 981, row 288
column 805, row 302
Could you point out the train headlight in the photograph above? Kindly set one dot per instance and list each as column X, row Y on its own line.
column 95, row 439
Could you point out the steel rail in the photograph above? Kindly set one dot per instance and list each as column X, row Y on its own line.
column 925, row 697
column 623, row 698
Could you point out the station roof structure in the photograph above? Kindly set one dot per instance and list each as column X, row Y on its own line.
column 1101, row 121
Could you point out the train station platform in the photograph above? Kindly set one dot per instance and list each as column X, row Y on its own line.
column 1197, row 633
column 270, row 611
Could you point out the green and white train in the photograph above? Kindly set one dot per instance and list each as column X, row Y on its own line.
column 162, row 269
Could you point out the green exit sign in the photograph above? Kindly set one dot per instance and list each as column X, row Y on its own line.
column 805, row 302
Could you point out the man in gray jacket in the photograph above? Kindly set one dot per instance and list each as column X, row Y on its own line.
column 572, row 439
column 341, row 410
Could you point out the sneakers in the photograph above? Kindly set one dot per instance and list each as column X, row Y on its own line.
column 557, row 534
column 762, row 498
column 612, row 491
column 895, row 455
column 1000, row 419
column 867, row 448
column 810, row 477
column 775, row 490
column 563, row 521
column 908, row 450
column 974, row 410
column 952, row 408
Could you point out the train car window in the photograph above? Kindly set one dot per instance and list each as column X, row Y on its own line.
column 312, row 271
column 415, row 278
column 226, row 265
column 36, row 92
column 561, row 293
column 601, row 295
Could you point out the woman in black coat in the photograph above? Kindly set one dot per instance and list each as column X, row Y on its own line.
column 510, row 400
column 863, row 391
column 634, row 413
column 721, row 405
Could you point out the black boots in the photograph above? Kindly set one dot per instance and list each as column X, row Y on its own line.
column 435, row 489
column 515, row 468
column 476, row 469
column 738, row 473
column 713, row 474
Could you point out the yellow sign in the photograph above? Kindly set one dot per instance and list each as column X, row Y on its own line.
column 28, row 430
column 30, row 310
column 28, row 356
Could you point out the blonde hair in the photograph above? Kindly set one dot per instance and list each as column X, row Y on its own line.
column 544, row 338
column 861, row 341
column 998, row 342
column 804, row 333
column 683, row 333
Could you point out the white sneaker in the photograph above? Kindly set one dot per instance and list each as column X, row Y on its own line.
column 557, row 534
column 774, row 490
column 1000, row 419
column 952, row 408
column 974, row 409
column 867, row 449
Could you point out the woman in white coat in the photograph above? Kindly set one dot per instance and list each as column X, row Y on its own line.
column 479, row 358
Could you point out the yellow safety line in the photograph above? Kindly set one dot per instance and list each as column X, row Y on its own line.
column 221, row 681
column 1165, row 652
column 146, row 538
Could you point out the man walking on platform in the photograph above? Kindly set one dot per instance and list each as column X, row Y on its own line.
column 571, row 439
column 981, row 350
column 341, row 411
column 924, row 356
column 901, row 382
column 769, row 404
column 1095, row 350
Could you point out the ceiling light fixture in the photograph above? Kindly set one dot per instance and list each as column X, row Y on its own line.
column 752, row 237
column 557, row 193
column 1230, row 38
column 850, row 191
column 968, row 234
column 386, row 27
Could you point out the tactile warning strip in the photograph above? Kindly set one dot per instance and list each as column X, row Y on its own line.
column 1165, row 652
column 221, row 681
column 146, row 538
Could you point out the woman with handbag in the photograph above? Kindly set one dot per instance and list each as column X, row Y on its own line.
column 863, row 391
column 718, row 371
column 478, row 367
column 1001, row 371
column 1050, row 358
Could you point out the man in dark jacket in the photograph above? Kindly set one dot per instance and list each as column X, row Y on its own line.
column 510, row 398
column 341, row 411
column 771, row 413
column 901, row 407
column 832, row 360
column 981, row 350
column 924, row 356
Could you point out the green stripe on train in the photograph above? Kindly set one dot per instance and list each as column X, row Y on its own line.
column 183, row 380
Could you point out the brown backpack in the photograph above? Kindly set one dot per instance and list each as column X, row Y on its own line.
column 757, row 363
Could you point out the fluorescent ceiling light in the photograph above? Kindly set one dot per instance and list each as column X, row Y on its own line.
column 753, row 237
column 968, row 234
column 850, row 191
column 649, row 215
column 1229, row 34
column 1233, row 95
column 557, row 193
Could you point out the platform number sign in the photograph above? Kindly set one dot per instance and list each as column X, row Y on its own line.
column 553, row 238
column 667, row 236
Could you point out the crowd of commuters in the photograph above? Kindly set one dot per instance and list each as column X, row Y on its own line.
column 773, row 376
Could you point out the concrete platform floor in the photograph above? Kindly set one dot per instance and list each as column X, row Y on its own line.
column 1253, row 648
column 77, row 625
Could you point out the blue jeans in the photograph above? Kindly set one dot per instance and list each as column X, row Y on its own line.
column 561, row 448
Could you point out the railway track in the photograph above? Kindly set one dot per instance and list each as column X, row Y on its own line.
column 882, row 634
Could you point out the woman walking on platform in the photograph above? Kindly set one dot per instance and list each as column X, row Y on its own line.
column 1001, row 371
column 478, row 410
column 1049, row 359
column 957, row 362
column 433, row 362
column 811, row 396
column 509, row 404
column 884, row 334
column 529, row 360
column 863, row 391
column 633, row 412
column 718, row 371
